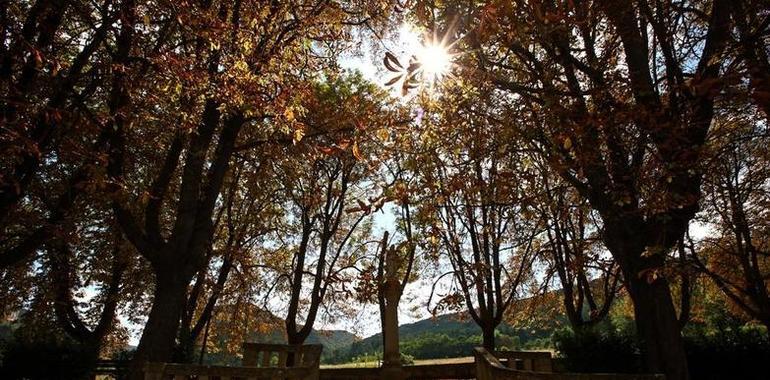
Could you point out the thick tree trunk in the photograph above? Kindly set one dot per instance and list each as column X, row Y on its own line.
column 160, row 331
column 656, row 319
column 658, row 327
column 488, row 336
column 296, row 337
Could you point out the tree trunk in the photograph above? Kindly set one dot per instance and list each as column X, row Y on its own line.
column 658, row 327
column 160, row 331
column 656, row 319
column 488, row 336
column 296, row 337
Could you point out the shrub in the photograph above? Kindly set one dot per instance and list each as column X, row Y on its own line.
column 43, row 358
column 407, row 359
column 739, row 353
column 730, row 352
column 597, row 349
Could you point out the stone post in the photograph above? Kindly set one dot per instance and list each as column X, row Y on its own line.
column 391, row 366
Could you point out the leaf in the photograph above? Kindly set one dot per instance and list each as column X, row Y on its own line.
column 343, row 144
column 38, row 58
column 383, row 134
column 391, row 62
column 299, row 133
column 393, row 80
column 357, row 152
column 288, row 113
column 567, row 143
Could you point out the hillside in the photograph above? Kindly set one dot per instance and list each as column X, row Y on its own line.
column 449, row 335
column 332, row 340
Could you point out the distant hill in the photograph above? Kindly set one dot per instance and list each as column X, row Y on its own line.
column 270, row 329
column 332, row 340
column 444, row 336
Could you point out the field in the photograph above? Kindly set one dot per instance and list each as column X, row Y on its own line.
column 375, row 364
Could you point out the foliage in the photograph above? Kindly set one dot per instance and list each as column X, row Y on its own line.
column 598, row 348
column 43, row 353
column 710, row 346
column 190, row 166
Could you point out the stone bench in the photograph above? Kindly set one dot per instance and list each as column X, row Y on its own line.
column 489, row 367
column 260, row 362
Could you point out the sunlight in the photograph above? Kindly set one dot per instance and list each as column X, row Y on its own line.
column 421, row 61
column 435, row 60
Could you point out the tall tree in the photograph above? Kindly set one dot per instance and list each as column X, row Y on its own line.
column 611, row 94
column 327, row 235
column 477, row 215
column 589, row 280
column 325, row 179
column 225, row 74
column 736, row 257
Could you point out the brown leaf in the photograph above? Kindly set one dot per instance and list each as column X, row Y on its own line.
column 357, row 152
column 391, row 62
column 393, row 80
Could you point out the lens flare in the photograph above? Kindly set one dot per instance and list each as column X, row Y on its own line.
column 435, row 60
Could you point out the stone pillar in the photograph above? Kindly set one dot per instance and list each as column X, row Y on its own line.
column 391, row 366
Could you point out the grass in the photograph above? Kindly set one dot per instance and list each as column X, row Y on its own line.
column 375, row 364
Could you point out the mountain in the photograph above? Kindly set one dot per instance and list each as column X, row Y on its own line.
column 449, row 335
column 332, row 340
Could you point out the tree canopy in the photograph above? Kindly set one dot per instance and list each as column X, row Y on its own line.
column 191, row 172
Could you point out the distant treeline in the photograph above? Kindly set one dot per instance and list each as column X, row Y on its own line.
column 444, row 337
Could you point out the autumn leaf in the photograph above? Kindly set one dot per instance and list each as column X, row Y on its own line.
column 383, row 134
column 299, row 133
column 288, row 114
column 357, row 152
column 567, row 143
column 393, row 80
column 391, row 62
column 327, row 150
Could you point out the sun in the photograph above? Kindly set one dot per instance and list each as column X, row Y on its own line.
column 435, row 59
column 431, row 60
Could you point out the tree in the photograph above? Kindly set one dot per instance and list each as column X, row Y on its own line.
column 478, row 215
column 63, row 277
column 248, row 214
column 608, row 92
column 226, row 74
column 321, row 195
column 752, row 23
column 736, row 257
column 54, row 65
column 575, row 254
column 327, row 200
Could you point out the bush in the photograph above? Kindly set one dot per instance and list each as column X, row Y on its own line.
column 44, row 358
column 597, row 349
column 407, row 359
column 734, row 352
column 739, row 353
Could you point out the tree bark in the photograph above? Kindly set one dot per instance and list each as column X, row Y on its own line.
column 654, row 313
column 160, row 332
column 488, row 337
column 658, row 327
